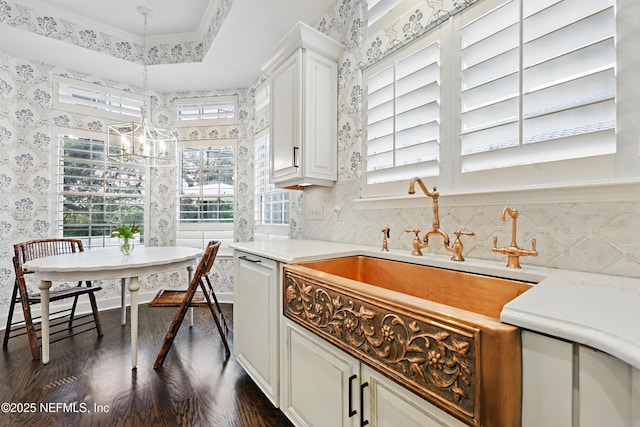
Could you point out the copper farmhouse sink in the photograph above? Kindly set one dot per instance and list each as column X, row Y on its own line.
column 435, row 331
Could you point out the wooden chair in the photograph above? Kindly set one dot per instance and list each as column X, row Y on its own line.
column 199, row 278
column 30, row 325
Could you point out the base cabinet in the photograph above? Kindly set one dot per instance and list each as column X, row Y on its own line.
column 323, row 386
column 569, row 385
column 255, row 321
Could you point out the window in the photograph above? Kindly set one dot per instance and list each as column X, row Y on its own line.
column 271, row 204
column 403, row 115
column 91, row 99
column 530, row 96
column 95, row 194
column 538, row 89
column 382, row 13
column 206, row 192
column 215, row 110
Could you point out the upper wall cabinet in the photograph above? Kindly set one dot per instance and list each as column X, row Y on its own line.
column 303, row 72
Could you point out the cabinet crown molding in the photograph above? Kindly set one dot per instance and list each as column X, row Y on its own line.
column 302, row 36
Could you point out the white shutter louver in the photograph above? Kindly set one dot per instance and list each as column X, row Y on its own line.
column 403, row 116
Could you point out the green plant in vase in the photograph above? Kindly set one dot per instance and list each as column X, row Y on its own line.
column 126, row 234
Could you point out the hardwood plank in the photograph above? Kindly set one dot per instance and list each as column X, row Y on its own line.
column 89, row 381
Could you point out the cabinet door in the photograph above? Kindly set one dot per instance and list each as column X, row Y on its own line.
column 316, row 381
column 547, row 381
column 255, row 321
column 605, row 390
column 286, row 119
column 319, row 153
column 389, row 405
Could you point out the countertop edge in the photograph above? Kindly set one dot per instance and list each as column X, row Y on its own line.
column 619, row 347
column 560, row 304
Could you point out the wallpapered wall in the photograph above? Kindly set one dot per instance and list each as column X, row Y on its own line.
column 597, row 237
column 27, row 182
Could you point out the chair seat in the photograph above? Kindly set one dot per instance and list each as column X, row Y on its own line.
column 171, row 298
column 59, row 294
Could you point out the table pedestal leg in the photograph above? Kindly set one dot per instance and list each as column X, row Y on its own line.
column 134, row 286
column 123, row 307
column 44, row 287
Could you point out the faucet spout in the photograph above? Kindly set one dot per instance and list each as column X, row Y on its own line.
column 435, row 225
column 434, row 196
column 412, row 187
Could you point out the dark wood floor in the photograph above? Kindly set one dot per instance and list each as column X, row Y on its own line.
column 89, row 381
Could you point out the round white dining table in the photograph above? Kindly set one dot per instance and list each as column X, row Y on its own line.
column 104, row 265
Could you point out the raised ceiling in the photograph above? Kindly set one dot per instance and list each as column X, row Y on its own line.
column 198, row 44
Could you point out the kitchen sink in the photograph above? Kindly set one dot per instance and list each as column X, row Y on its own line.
column 435, row 331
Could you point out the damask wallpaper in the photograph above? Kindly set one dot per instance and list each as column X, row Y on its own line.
column 27, row 177
column 59, row 28
column 593, row 236
column 598, row 237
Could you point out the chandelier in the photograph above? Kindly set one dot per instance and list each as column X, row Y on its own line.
column 139, row 142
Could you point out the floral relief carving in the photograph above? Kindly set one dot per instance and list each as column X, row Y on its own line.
column 434, row 359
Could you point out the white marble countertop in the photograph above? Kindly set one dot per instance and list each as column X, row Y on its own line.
column 597, row 310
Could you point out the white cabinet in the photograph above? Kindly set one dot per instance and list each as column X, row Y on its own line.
column 256, row 320
column 315, row 380
column 304, row 100
column 547, row 381
column 567, row 384
column 605, row 390
column 323, row 386
column 386, row 404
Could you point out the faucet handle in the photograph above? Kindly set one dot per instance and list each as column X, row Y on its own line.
column 413, row 230
column 457, row 246
column 459, row 233
column 416, row 245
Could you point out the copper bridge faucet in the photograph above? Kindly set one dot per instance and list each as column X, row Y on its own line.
column 513, row 251
column 417, row 245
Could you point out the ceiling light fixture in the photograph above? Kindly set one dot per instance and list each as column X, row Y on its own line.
column 141, row 143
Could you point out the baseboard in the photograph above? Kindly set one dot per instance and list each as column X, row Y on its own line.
column 105, row 304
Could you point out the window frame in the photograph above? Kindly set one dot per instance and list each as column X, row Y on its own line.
column 99, row 241
column 98, row 110
column 199, row 234
column 205, row 101
column 451, row 182
column 279, row 229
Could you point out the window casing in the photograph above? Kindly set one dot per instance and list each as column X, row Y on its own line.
column 271, row 203
column 403, row 102
column 206, row 194
column 536, row 99
column 205, row 111
column 95, row 194
column 78, row 96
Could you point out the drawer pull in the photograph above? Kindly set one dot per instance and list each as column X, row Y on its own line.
column 245, row 258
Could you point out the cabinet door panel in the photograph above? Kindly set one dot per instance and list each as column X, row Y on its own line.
column 286, row 113
column 547, row 381
column 316, row 381
column 255, row 321
column 320, row 116
column 605, row 390
column 390, row 405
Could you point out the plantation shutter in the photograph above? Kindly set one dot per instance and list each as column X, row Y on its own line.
column 540, row 88
column 403, row 115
